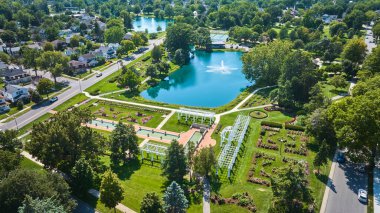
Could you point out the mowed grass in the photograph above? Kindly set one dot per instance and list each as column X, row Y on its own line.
column 127, row 113
column 27, row 127
column 137, row 180
column 71, row 102
column 258, row 99
column 261, row 195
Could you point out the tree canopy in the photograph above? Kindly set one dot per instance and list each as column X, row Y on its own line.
column 174, row 165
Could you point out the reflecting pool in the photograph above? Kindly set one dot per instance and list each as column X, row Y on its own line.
column 210, row 80
column 151, row 24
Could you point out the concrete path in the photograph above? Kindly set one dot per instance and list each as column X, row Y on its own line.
column 206, row 196
column 376, row 189
column 166, row 119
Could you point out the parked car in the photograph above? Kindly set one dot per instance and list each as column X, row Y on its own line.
column 341, row 158
column 53, row 99
column 362, row 195
column 99, row 74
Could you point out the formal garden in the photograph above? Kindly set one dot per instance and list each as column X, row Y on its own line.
column 258, row 99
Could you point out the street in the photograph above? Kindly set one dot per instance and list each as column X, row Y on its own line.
column 76, row 88
column 343, row 190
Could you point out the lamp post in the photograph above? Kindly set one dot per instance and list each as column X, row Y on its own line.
column 15, row 121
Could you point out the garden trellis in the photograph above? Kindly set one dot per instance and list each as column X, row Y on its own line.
column 195, row 114
column 151, row 149
column 232, row 138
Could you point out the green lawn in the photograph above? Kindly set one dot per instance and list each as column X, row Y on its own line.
column 127, row 113
column 71, row 102
column 261, row 194
column 330, row 91
column 258, row 99
column 30, row 165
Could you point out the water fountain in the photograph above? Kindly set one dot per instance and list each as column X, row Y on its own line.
column 222, row 69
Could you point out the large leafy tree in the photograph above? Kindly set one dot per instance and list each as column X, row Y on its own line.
column 290, row 189
column 263, row 64
column 123, row 140
column 179, row 36
column 82, row 176
column 111, row 192
column 126, row 46
column 372, row 62
column 30, row 58
column 9, row 141
column 42, row 185
column 355, row 50
column 157, row 53
column 61, row 141
column 9, row 161
column 130, row 79
column 55, row 62
column 204, row 161
column 356, row 123
column 31, row 205
column 174, row 165
column 174, row 199
column 44, row 86
column 127, row 19
column 113, row 35
column 151, row 203
column 322, row 155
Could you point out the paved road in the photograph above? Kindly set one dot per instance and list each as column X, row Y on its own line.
column 369, row 40
column 342, row 196
column 76, row 88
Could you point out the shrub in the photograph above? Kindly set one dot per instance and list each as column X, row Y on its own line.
column 20, row 105
column 271, row 124
column 113, row 80
column 294, row 127
column 146, row 58
column 95, row 93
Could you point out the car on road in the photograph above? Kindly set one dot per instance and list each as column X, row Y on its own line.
column 99, row 75
column 362, row 195
column 341, row 158
column 53, row 99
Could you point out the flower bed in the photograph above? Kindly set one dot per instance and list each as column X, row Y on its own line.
column 241, row 199
column 258, row 114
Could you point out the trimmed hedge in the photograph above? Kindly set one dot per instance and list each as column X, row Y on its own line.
column 145, row 59
column 271, row 124
column 294, row 127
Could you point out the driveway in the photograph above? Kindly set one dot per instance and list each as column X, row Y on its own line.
column 369, row 40
column 345, row 183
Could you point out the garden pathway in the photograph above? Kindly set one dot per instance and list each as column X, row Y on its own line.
column 167, row 117
column 206, row 196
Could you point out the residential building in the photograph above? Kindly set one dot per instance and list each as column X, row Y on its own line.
column 106, row 52
column 14, row 75
column 58, row 44
column 77, row 66
column 128, row 36
column 327, row 19
column 13, row 93
column 3, row 67
column 102, row 25
column 87, row 57
column 35, row 46
column 71, row 51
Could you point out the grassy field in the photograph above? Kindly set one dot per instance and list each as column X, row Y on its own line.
column 71, row 102
column 127, row 113
column 27, row 127
column 260, row 98
column 330, row 91
column 261, row 194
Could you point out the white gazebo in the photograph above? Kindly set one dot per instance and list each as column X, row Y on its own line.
column 194, row 114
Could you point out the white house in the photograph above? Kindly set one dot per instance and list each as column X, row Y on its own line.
column 14, row 74
column 71, row 51
column 13, row 93
column 87, row 57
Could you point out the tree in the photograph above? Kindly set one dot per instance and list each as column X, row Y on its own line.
column 130, row 80
column 338, row 81
column 283, row 33
column 20, row 183
column 9, row 161
column 111, row 192
column 126, row 46
column 30, row 58
column 156, row 53
column 123, row 140
column 179, row 36
column 30, row 205
column 272, row 34
column 174, row 165
column 151, row 71
column 9, row 141
column 151, row 204
column 376, row 30
column 74, row 41
column 181, row 57
column 174, row 199
column 113, row 35
column 322, row 155
column 127, row 19
column 190, row 158
column 8, row 37
column 44, row 86
column 163, row 67
column 337, row 28
column 82, row 176
column 137, row 40
column 202, row 37
column 204, row 161
column 372, row 62
column 55, row 62
column 35, row 96
column 290, row 189
column 263, row 64
column 20, row 104
column 63, row 140
column 4, row 57
column 367, row 85
column 48, row 46
column 355, row 50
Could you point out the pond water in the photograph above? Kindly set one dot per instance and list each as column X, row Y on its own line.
column 210, row 80
column 151, row 24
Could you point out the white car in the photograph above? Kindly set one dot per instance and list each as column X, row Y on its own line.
column 53, row 99
column 362, row 195
column 99, row 75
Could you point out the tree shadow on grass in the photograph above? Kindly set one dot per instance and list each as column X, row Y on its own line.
column 125, row 171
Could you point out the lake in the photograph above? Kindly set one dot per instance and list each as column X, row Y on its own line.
column 210, row 80
column 151, row 24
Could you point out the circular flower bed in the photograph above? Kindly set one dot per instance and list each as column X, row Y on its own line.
column 258, row 114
